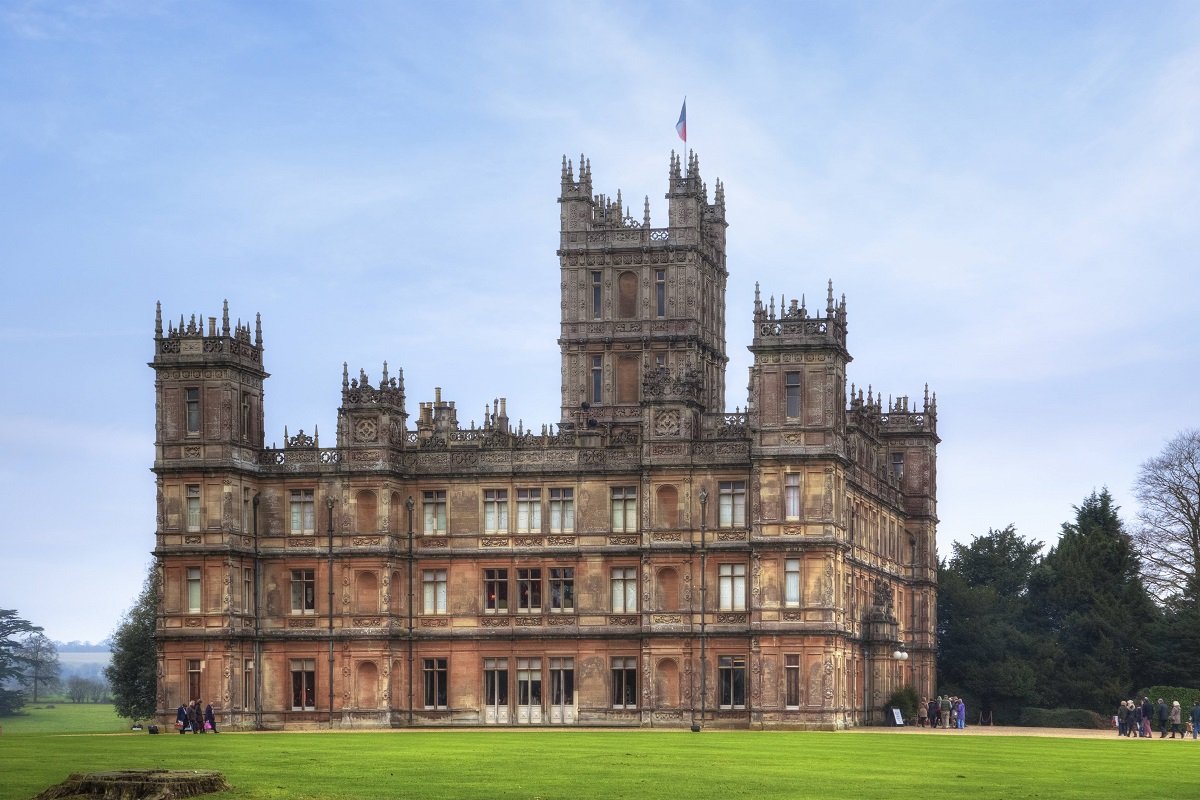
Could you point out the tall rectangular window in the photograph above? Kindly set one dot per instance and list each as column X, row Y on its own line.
column 495, row 682
column 529, row 590
column 433, row 584
column 529, row 510
column 433, row 507
column 247, row 512
column 193, row 507
column 562, row 590
column 249, row 690
column 731, row 671
column 660, row 292
column 193, row 678
column 529, row 682
column 791, row 681
column 193, row 590
column 562, row 510
column 191, row 403
column 597, row 295
column 731, row 579
column 495, row 511
column 624, row 509
column 247, row 589
column 245, row 416
column 791, row 389
column 624, row 590
column 897, row 465
column 562, row 681
column 495, row 591
column 304, row 684
column 624, row 682
column 791, row 582
column 791, row 495
column 304, row 518
column 597, row 378
column 732, row 504
column 436, row 677
column 304, row 591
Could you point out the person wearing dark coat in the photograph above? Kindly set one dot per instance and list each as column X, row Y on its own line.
column 1163, row 714
column 181, row 718
column 1147, row 717
column 1195, row 719
column 210, row 721
column 196, row 716
column 1135, row 715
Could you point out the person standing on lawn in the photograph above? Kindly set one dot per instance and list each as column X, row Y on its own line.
column 210, row 720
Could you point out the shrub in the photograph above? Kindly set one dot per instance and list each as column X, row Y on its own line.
column 1169, row 693
column 905, row 698
column 1062, row 718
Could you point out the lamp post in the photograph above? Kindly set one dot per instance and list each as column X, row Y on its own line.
column 899, row 656
column 329, row 505
column 703, row 608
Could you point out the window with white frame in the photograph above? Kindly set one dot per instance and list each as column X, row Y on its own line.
column 562, row 510
column 304, row 591
column 562, row 590
column 434, row 591
column 791, row 680
column 303, row 515
column 731, row 496
column 731, row 580
column 495, row 510
column 436, row 677
column 624, row 590
column 495, row 591
column 193, row 589
column 529, row 590
column 193, row 507
column 791, row 582
column 304, row 684
column 624, row 509
column 529, row 510
column 433, row 509
column 791, row 495
column 731, row 676
column 624, row 682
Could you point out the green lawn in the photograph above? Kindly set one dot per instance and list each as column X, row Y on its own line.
column 615, row 764
column 65, row 718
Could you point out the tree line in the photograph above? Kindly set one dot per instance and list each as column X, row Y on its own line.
column 1100, row 615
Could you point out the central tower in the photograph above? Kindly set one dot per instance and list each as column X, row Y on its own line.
column 643, row 308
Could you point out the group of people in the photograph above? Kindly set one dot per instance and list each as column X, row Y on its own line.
column 191, row 719
column 943, row 711
column 1136, row 719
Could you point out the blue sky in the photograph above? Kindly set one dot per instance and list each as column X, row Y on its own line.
column 1006, row 192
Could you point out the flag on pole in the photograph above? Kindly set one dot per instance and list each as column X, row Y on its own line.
column 681, row 126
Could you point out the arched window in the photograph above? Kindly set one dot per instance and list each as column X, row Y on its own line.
column 627, row 286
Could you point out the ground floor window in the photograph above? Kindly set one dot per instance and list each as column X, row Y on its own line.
column 495, row 681
column 562, row 681
column 304, row 684
column 791, row 678
column 248, row 689
column 193, row 678
column 732, row 681
column 624, row 682
column 436, row 676
column 529, row 681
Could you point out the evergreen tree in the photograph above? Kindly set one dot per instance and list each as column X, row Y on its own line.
column 12, row 660
column 1089, row 600
column 133, row 671
column 984, row 652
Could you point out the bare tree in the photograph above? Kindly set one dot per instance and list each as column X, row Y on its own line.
column 41, row 658
column 1168, row 538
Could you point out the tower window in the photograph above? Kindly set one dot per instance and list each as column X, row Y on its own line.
column 660, row 292
column 597, row 296
column 597, row 378
column 791, row 384
column 191, row 403
column 627, row 285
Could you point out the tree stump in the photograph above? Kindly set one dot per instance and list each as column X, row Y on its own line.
column 137, row 784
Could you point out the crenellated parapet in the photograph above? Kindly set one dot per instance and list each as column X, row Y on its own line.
column 792, row 325
column 192, row 341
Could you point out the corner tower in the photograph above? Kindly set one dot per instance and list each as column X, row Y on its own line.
column 641, row 306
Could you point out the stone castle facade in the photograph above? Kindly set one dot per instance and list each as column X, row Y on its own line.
column 652, row 560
